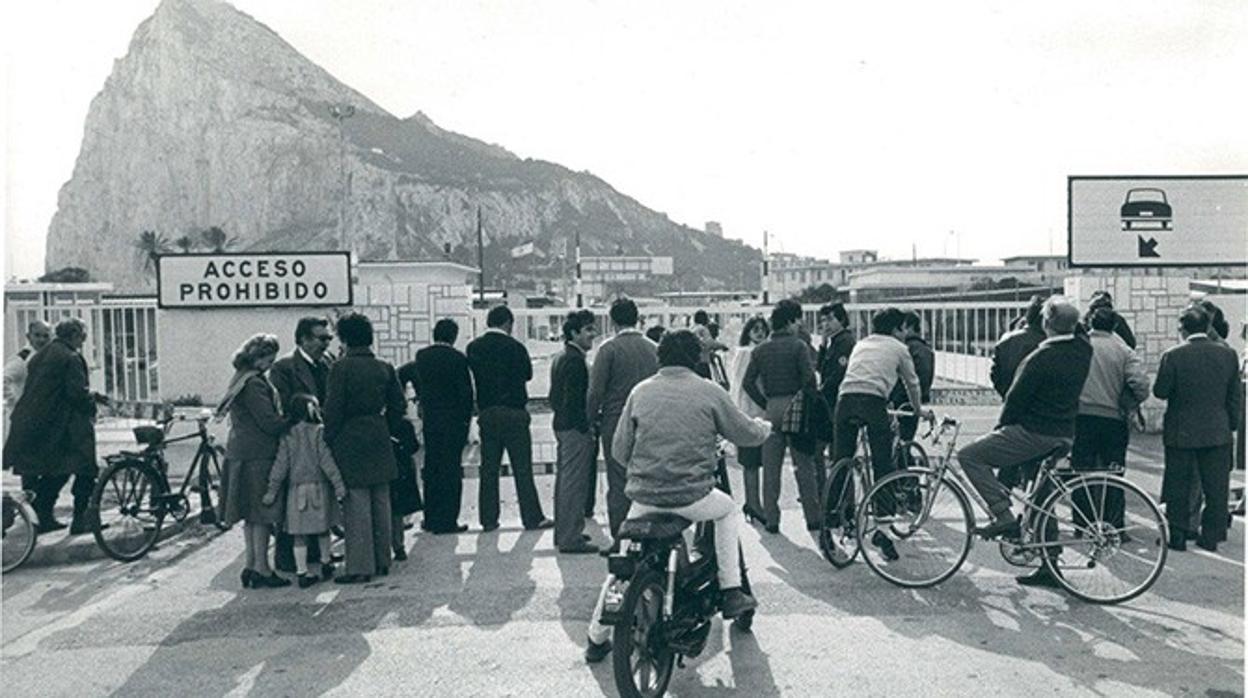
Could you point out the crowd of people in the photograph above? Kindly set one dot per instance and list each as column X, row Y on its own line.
column 317, row 443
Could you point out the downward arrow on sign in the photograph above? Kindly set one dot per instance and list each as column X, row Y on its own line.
column 1148, row 248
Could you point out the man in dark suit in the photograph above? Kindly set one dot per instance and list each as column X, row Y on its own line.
column 439, row 375
column 1199, row 380
column 1015, row 345
column 304, row 371
column 500, row 368
column 53, row 428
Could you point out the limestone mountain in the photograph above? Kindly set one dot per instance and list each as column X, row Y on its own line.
column 211, row 119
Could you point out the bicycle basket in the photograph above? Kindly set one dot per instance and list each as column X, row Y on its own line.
column 149, row 435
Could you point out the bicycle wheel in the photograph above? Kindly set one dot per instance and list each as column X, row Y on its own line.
column 127, row 509
column 641, row 660
column 1107, row 537
column 208, row 482
column 19, row 535
column 914, row 529
column 842, row 494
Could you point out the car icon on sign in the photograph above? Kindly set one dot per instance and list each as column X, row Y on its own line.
column 1146, row 208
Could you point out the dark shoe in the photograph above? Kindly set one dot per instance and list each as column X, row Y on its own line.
column 597, row 651
column 580, row 549
column 485, row 528
column 881, row 541
column 49, row 526
column 458, row 528
column 79, row 526
column 247, row 578
column 1001, row 528
column 272, row 581
column 736, row 602
column 586, row 537
column 544, row 523
column 752, row 515
column 1206, row 543
column 336, row 557
column 383, row 571
column 353, row 579
column 400, row 555
column 327, row 571
column 1191, row 535
column 1039, row 578
column 1178, row 540
column 813, row 527
column 307, row 580
column 772, row 528
column 407, row 526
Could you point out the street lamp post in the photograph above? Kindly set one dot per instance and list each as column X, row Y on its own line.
column 342, row 112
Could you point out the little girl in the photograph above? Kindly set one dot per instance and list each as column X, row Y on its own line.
column 307, row 469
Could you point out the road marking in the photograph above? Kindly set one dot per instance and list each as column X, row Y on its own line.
column 1213, row 556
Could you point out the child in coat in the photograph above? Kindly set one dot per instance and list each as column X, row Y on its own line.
column 306, row 469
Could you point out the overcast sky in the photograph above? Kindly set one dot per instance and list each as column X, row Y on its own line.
column 834, row 126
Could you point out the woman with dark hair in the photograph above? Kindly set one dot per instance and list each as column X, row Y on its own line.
column 256, row 427
column 753, row 333
column 363, row 412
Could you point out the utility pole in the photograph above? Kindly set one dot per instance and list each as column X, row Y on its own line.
column 480, row 259
column 342, row 112
column 766, row 272
column 580, row 297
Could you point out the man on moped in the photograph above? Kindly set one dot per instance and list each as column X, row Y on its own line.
column 667, row 437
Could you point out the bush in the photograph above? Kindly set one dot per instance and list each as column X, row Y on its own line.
column 187, row 401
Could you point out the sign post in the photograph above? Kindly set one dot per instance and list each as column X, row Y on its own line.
column 266, row 280
column 1158, row 221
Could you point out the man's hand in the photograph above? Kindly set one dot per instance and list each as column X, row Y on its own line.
column 269, row 499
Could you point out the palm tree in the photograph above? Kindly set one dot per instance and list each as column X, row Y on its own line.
column 216, row 240
column 185, row 243
column 151, row 245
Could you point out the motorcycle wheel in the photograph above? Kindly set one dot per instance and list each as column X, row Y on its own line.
column 641, row 661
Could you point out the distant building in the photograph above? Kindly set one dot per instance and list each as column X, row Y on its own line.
column 714, row 228
column 707, row 298
column 602, row 277
column 858, row 256
column 1053, row 268
column 791, row 274
column 881, row 282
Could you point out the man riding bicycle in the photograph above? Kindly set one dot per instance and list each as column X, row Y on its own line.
column 1038, row 416
column 667, row 438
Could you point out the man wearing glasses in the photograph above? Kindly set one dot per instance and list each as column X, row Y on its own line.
column 304, row 370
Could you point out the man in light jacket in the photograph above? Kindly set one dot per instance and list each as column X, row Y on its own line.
column 1115, row 385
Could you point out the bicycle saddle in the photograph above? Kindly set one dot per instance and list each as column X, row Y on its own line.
column 149, row 435
column 654, row 527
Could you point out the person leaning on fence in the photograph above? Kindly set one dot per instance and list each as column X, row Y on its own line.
column 576, row 454
column 364, row 409
column 621, row 363
column 442, row 382
column 1115, row 386
column 1199, row 380
column 307, row 480
column 779, row 370
column 500, row 368
column 52, row 428
column 1015, row 345
column 256, row 426
column 1038, row 417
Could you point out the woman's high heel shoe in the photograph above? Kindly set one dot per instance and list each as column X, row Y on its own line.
column 247, row 578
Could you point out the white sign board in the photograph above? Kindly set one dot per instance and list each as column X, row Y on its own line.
column 1158, row 221
column 269, row 280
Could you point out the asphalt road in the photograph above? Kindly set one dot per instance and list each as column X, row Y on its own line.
column 503, row 614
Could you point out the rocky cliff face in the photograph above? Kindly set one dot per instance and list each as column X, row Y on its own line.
column 211, row 119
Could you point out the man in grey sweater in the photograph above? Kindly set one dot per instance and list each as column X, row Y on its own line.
column 621, row 363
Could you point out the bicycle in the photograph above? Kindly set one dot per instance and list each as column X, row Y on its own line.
column 133, row 495
column 20, row 532
column 1098, row 553
column 846, row 484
